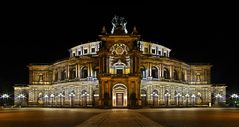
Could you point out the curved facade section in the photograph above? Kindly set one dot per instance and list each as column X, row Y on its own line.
column 154, row 49
column 85, row 49
column 120, row 70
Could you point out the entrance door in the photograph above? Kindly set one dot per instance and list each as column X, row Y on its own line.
column 119, row 99
column 119, row 95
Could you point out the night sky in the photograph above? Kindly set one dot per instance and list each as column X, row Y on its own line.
column 197, row 33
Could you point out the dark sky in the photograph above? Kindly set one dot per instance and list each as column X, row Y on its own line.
column 196, row 33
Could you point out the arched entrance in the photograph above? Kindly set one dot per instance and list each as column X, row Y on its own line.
column 119, row 92
column 155, row 98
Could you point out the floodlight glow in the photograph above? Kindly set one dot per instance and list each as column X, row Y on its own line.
column 46, row 96
column 5, row 96
column 234, row 96
column 52, row 95
column 71, row 94
column 21, row 96
column 218, row 96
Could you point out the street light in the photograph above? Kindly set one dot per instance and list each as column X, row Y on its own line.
column 5, row 98
column 21, row 96
column 61, row 98
column 34, row 95
column 52, row 98
column 167, row 95
column 46, row 99
column 193, row 99
column 84, row 97
column 178, row 95
column 71, row 98
column 234, row 97
column 187, row 95
column 218, row 96
column 155, row 98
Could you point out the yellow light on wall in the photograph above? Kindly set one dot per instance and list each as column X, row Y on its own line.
column 127, row 71
column 111, row 71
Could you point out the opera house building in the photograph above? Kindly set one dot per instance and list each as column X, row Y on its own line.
column 119, row 70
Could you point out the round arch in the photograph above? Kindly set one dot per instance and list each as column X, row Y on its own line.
column 155, row 95
column 154, row 72
column 119, row 95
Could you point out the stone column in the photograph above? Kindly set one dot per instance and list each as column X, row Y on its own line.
column 91, row 70
column 53, row 75
column 171, row 72
column 82, row 50
column 149, row 72
column 79, row 71
column 160, row 71
column 107, row 64
column 88, row 70
column 59, row 74
column 68, row 72
column 76, row 68
column 156, row 50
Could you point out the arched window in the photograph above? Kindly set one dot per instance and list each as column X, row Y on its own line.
column 63, row 74
column 119, row 67
column 155, row 97
column 198, row 77
column 154, row 72
column 144, row 97
column 56, row 76
column 84, row 72
column 183, row 76
column 143, row 72
column 72, row 73
column 84, row 95
column 95, row 71
column 175, row 75
column 166, row 73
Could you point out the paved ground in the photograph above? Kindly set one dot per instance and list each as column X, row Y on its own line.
column 44, row 117
column 174, row 117
column 119, row 118
column 194, row 117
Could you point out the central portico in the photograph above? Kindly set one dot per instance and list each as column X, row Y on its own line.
column 119, row 74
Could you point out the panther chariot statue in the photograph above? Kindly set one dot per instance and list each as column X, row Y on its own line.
column 119, row 25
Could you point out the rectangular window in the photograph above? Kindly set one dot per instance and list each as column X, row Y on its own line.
column 153, row 51
column 119, row 71
column 164, row 54
column 92, row 49
column 79, row 52
column 85, row 51
column 146, row 50
column 159, row 52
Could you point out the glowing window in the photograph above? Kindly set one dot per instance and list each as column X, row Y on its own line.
column 92, row 49
column 159, row 52
column 153, row 51
column 85, row 51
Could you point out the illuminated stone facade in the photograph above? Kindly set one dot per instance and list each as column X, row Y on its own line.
column 120, row 70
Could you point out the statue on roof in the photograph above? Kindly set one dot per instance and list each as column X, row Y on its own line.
column 119, row 25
